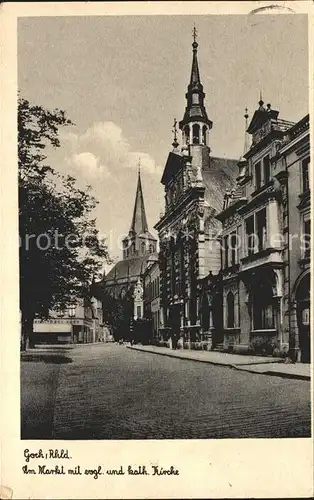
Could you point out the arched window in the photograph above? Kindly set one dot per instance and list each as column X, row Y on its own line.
column 204, row 134
column 196, row 134
column 133, row 248
column 143, row 246
column 151, row 248
column 230, row 310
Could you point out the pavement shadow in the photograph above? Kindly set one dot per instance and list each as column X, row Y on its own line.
column 54, row 359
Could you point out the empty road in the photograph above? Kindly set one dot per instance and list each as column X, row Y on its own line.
column 107, row 391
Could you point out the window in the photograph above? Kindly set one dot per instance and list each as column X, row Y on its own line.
column 230, row 310
column 256, row 232
column 261, row 229
column 143, row 247
column 263, row 312
column 306, row 240
column 71, row 311
column 196, row 134
column 230, row 249
column 173, row 272
column 250, row 237
column 266, row 165
column 226, row 251
column 305, row 174
column 195, row 98
column 233, row 246
column 151, row 248
column 263, row 309
column 204, row 134
column 138, row 311
column 258, row 175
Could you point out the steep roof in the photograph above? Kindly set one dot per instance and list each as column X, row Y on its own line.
column 195, row 74
column 218, row 179
column 195, row 109
column 128, row 269
column 139, row 222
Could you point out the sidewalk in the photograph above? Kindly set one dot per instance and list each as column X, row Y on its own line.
column 253, row 364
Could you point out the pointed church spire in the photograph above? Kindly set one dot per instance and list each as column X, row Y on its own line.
column 139, row 222
column 195, row 123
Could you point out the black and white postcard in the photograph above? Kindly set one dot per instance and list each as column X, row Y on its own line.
column 156, row 268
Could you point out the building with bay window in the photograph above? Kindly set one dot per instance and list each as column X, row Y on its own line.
column 265, row 261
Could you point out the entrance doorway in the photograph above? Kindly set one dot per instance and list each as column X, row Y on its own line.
column 218, row 334
column 303, row 318
column 175, row 323
column 205, row 313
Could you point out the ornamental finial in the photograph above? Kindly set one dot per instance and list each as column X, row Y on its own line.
column 175, row 143
column 194, row 35
column 261, row 102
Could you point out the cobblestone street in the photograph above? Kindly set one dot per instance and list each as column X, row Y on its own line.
column 106, row 391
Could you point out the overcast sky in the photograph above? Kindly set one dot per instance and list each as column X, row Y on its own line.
column 122, row 80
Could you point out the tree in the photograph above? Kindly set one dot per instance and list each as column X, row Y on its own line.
column 60, row 248
column 118, row 312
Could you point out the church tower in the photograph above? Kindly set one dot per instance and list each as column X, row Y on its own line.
column 194, row 184
column 195, row 125
column 139, row 241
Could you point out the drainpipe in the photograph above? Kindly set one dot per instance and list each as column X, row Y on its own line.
column 291, row 339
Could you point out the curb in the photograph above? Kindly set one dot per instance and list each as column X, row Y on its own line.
column 236, row 367
column 295, row 376
column 169, row 355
